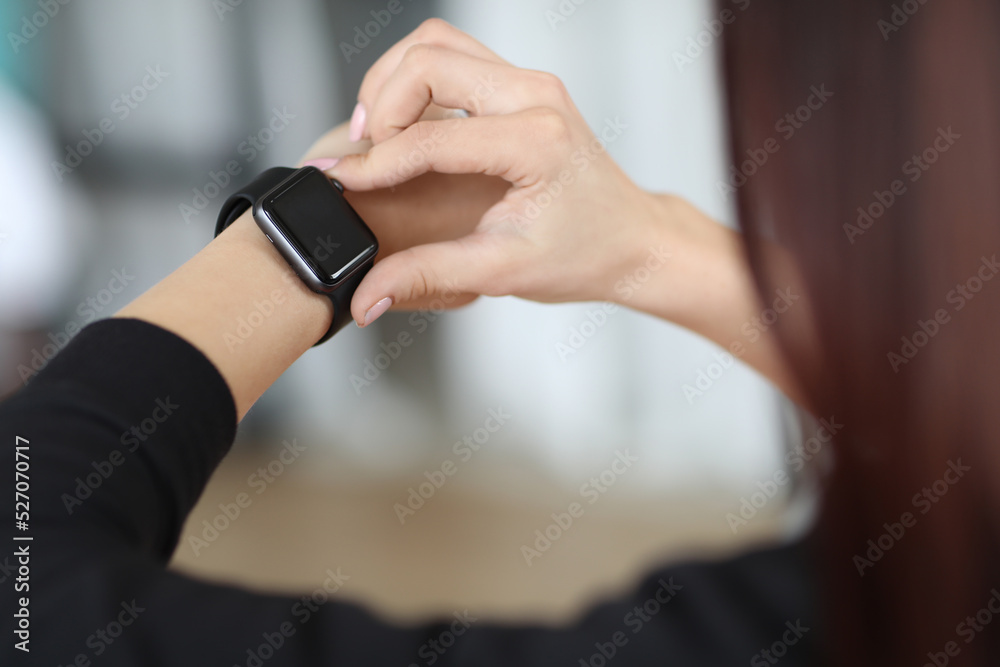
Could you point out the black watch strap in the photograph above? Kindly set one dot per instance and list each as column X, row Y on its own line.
column 245, row 198
column 342, row 302
column 241, row 201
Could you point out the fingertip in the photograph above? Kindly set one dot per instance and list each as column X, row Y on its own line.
column 349, row 172
column 376, row 311
column 359, row 120
column 323, row 164
column 368, row 295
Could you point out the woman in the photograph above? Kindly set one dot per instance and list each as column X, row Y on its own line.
column 899, row 286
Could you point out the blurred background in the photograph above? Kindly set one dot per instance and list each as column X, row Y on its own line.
column 117, row 121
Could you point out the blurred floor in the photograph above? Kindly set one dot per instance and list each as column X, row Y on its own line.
column 461, row 550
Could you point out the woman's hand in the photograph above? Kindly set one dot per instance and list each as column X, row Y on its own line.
column 521, row 198
column 571, row 223
column 412, row 213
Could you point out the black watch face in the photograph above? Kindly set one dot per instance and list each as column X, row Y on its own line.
column 318, row 221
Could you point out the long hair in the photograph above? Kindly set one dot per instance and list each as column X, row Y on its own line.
column 865, row 137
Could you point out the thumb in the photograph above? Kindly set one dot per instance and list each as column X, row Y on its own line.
column 444, row 274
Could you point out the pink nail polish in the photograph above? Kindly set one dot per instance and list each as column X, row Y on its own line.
column 323, row 163
column 377, row 310
column 358, row 119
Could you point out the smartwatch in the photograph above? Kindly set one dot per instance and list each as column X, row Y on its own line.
column 312, row 226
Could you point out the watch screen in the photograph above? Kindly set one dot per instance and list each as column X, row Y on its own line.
column 324, row 227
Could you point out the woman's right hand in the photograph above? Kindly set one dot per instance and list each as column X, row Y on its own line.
column 572, row 223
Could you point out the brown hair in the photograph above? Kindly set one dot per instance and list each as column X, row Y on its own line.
column 886, row 198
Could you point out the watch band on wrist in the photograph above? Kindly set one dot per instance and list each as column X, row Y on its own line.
column 245, row 198
column 252, row 194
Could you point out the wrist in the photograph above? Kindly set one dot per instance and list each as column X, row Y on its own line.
column 685, row 267
column 266, row 273
column 705, row 286
column 238, row 302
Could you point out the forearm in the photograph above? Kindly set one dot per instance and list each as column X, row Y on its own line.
column 705, row 285
column 240, row 304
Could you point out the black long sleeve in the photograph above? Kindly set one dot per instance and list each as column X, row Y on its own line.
column 98, row 591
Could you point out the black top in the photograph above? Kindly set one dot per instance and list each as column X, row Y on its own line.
column 99, row 592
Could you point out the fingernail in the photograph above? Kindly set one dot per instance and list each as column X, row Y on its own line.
column 358, row 119
column 322, row 163
column 376, row 311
